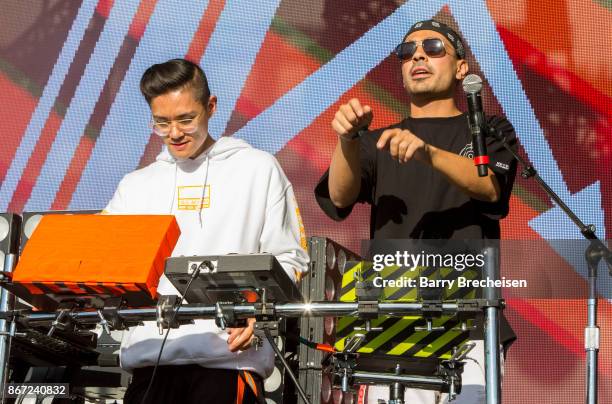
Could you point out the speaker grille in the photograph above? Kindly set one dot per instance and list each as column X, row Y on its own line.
column 322, row 283
column 10, row 232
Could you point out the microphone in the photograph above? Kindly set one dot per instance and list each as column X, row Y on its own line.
column 472, row 84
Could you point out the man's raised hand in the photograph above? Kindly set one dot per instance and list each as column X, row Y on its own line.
column 350, row 118
column 403, row 145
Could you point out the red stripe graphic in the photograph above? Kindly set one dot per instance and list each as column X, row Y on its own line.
column 47, row 136
column 17, row 108
column 73, row 174
column 525, row 54
column 205, row 30
column 196, row 50
column 35, row 163
column 102, row 108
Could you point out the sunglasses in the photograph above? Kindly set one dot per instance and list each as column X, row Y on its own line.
column 433, row 47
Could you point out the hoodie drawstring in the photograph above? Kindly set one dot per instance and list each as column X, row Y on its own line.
column 173, row 191
column 204, row 189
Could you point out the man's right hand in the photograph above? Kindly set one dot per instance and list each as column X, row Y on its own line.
column 351, row 117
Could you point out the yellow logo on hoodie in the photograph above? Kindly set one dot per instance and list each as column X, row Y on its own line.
column 193, row 197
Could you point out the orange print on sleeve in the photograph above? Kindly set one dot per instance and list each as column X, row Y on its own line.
column 303, row 241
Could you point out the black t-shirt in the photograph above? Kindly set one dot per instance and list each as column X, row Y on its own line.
column 413, row 200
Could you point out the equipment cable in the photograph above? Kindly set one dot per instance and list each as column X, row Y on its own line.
column 194, row 275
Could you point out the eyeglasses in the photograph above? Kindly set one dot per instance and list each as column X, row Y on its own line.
column 433, row 47
column 187, row 125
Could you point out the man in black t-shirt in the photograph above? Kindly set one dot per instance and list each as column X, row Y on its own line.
column 418, row 174
column 413, row 199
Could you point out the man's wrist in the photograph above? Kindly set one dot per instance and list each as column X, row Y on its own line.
column 430, row 153
column 348, row 146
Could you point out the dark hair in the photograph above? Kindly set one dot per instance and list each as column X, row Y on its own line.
column 174, row 75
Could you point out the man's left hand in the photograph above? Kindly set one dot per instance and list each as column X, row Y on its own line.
column 240, row 338
column 404, row 145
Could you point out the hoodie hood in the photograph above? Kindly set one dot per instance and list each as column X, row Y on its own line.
column 222, row 149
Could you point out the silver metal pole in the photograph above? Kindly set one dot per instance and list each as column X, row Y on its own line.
column 491, row 332
column 397, row 390
column 196, row 311
column 434, row 383
column 6, row 304
column 591, row 337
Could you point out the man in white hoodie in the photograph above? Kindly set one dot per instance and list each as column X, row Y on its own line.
column 227, row 197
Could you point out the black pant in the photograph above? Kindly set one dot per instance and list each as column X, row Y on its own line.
column 191, row 384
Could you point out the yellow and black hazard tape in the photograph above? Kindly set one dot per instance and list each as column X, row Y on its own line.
column 399, row 336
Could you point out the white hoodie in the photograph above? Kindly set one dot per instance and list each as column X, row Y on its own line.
column 230, row 199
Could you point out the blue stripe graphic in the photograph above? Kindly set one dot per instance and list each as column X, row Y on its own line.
column 126, row 133
column 45, row 103
column 479, row 31
column 82, row 105
column 231, row 52
column 271, row 129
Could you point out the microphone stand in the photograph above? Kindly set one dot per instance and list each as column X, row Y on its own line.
column 593, row 255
